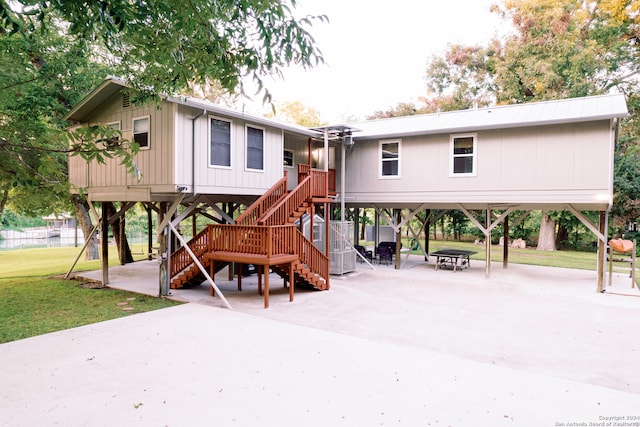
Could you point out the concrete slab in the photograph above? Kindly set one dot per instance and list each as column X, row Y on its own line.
column 531, row 346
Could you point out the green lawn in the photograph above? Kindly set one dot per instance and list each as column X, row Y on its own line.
column 32, row 302
column 531, row 256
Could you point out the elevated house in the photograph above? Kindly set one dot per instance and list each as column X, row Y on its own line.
column 554, row 155
column 548, row 155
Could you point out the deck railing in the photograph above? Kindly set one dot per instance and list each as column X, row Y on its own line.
column 180, row 259
column 252, row 239
column 324, row 181
column 264, row 203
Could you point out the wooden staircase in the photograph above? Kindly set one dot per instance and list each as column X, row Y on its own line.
column 259, row 232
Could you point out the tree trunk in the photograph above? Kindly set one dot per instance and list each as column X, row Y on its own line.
column 363, row 225
column 81, row 208
column 124, row 251
column 562, row 237
column 3, row 200
column 547, row 237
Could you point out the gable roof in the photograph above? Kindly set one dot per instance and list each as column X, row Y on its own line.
column 572, row 110
column 111, row 85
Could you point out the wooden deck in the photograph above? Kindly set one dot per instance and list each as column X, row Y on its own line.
column 263, row 261
column 264, row 235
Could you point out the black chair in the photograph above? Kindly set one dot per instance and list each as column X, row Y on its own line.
column 384, row 255
column 365, row 253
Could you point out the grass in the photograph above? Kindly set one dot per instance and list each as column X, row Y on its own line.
column 34, row 302
column 531, row 256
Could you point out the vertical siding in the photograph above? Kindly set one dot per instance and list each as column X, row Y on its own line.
column 300, row 147
column 156, row 163
column 237, row 179
column 524, row 161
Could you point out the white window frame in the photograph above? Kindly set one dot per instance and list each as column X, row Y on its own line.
column 381, row 160
column 293, row 158
column 133, row 130
column 231, row 142
column 474, row 155
column 246, row 147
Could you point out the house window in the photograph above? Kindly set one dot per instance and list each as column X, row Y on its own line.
column 389, row 159
column 463, row 155
column 255, row 148
column 220, row 142
column 287, row 156
column 141, row 131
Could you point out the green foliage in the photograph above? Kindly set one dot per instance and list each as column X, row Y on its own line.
column 161, row 47
column 558, row 49
column 11, row 220
column 56, row 52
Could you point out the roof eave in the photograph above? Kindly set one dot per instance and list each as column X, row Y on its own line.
column 437, row 131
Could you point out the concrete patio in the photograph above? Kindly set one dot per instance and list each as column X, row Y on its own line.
column 531, row 346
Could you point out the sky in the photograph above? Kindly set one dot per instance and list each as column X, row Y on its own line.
column 376, row 51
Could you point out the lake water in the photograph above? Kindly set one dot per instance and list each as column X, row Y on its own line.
column 37, row 238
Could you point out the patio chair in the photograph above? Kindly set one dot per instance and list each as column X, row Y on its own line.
column 384, row 255
column 365, row 253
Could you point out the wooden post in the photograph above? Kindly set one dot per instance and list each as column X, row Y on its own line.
column 633, row 265
column 266, row 286
column 149, row 233
column 601, row 250
column 505, row 243
column 163, row 253
column 427, row 228
column 122, row 241
column 487, row 243
column 105, row 244
column 291, row 279
column 398, row 220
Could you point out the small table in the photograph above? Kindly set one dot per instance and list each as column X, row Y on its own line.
column 455, row 258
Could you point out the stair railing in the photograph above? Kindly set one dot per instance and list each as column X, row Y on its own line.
column 264, row 203
column 180, row 259
column 313, row 257
column 280, row 213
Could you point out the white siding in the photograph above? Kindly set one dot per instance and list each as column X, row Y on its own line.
column 556, row 164
column 237, row 179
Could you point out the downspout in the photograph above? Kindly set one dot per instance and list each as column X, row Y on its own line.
column 193, row 151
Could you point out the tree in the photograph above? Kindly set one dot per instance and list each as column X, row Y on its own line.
column 559, row 49
column 161, row 47
column 298, row 113
column 56, row 51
